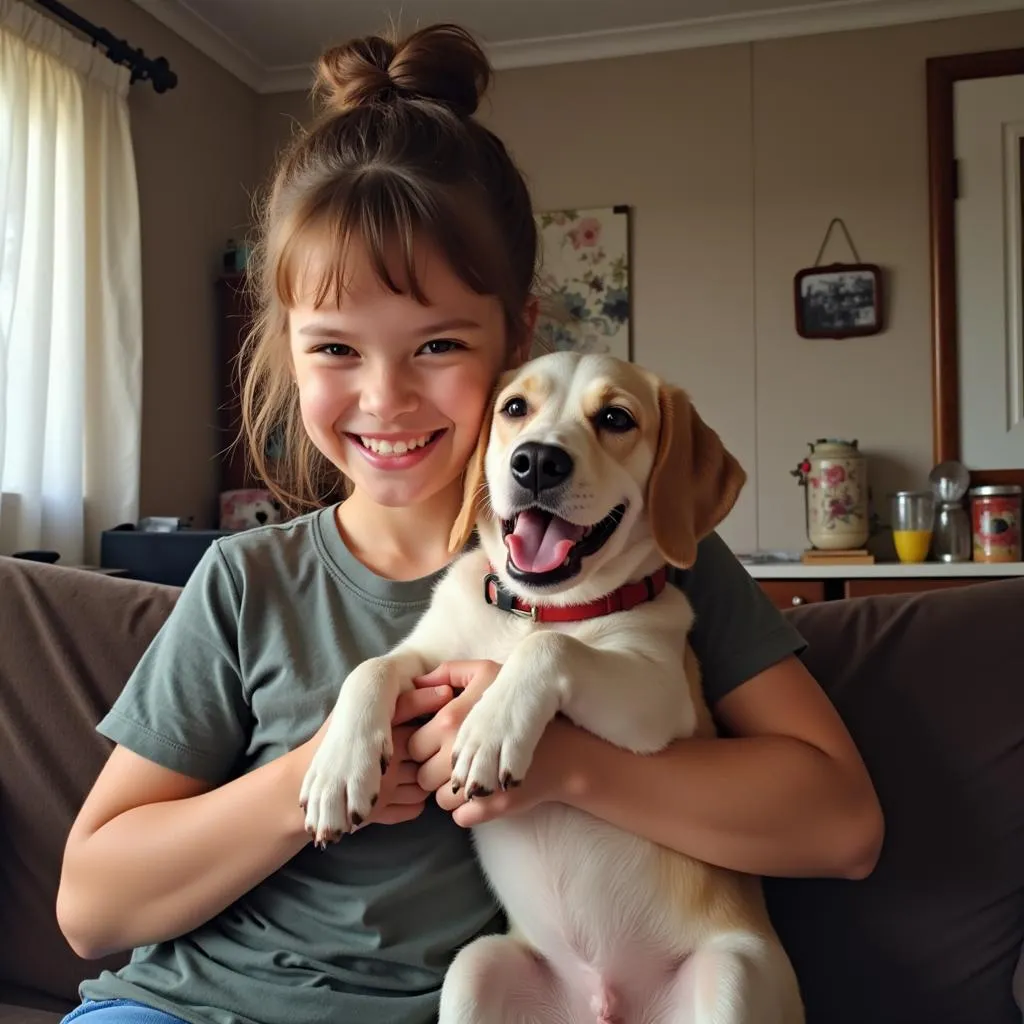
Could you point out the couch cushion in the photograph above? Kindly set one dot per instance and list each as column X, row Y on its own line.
column 932, row 689
column 23, row 1006
column 15, row 1013
column 69, row 639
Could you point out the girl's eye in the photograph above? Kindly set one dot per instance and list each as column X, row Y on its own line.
column 515, row 408
column 442, row 346
column 336, row 349
column 614, row 419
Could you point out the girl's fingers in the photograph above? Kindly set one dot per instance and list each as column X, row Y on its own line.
column 420, row 702
column 408, row 793
column 405, row 773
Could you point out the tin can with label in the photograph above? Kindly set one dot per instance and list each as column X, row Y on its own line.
column 995, row 523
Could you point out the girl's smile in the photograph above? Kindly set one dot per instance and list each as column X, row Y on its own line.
column 396, row 451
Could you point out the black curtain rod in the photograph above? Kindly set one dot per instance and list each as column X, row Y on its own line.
column 143, row 68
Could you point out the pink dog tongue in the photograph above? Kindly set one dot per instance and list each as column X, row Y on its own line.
column 541, row 542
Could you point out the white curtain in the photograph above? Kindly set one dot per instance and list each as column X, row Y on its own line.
column 70, row 292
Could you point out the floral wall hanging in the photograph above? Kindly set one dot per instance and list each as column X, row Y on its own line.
column 583, row 281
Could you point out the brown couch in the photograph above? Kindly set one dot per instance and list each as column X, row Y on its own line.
column 931, row 686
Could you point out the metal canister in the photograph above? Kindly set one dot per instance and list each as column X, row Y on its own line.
column 951, row 540
column 995, row 522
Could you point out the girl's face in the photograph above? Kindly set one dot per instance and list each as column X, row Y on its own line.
column 393, row 392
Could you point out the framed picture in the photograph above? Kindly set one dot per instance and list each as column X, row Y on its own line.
column 840, row 300
column 583, row 281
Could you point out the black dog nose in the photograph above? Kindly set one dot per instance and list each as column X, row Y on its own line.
column 539, row 467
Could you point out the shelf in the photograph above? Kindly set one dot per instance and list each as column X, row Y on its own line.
column 884, row 570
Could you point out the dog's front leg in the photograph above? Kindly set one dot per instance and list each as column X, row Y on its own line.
column 632, row 699
column 343, row 780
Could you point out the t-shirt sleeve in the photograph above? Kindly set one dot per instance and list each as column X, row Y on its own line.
column 184, row 705
column 737, row 631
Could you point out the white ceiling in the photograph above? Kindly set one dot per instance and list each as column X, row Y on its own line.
column 270, row 44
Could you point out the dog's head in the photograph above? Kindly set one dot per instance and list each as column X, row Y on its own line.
column 588, row 470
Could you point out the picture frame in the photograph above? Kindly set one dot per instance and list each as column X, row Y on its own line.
column 839, row 300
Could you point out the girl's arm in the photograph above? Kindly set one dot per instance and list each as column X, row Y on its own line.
column 786, row 794
column 154, row 853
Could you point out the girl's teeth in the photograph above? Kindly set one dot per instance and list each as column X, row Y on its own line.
column 398, row 448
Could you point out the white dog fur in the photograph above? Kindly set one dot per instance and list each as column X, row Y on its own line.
column 604, row 926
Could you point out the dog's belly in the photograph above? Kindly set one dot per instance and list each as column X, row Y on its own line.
column 596, row 902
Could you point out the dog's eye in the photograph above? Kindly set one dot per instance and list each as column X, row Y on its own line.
column 615, row 419
column 515, row 408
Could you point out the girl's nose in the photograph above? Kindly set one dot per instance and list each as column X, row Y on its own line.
column 387, row 392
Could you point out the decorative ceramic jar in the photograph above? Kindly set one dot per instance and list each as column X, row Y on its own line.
column 834, row 478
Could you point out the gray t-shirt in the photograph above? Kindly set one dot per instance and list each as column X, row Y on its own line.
column 246, row 667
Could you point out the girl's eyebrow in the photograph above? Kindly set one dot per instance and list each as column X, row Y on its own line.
column 454, row 324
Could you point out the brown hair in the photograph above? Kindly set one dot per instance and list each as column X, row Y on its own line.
column 395, row 157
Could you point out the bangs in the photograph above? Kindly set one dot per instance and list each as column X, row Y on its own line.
column 388, row 219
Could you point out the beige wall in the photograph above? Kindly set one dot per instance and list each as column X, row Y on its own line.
column 735, row 159
column 195, row 155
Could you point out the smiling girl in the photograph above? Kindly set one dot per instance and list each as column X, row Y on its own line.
column 395, row 270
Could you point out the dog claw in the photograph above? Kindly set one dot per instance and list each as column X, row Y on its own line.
column 509, row 781
column 475, row 789
column 325, row 839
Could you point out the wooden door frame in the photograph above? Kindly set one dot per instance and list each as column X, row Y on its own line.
column 942, row 74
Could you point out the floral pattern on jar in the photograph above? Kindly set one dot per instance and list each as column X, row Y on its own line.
column 834, row 476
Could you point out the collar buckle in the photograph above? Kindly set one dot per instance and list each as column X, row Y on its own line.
column 504, row 600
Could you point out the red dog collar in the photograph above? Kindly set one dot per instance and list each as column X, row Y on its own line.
column 625, row 597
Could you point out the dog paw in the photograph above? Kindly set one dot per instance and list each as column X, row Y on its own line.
column 343, row 781
column 495, row 745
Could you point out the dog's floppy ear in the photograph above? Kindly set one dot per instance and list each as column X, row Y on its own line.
column 695, row 480
column 474, row 485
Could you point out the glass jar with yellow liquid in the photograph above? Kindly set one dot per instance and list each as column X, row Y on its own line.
column 913, row 518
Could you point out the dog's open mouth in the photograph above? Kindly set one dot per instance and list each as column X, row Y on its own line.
column 544, row 549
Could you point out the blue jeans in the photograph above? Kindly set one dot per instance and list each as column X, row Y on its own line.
column 119, row 1011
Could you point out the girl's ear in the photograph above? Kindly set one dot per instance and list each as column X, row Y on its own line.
column 474, row 486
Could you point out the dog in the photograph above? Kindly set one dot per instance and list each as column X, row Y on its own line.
column 590, row 477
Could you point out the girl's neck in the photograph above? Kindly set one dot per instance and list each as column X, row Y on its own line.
column 400, row 543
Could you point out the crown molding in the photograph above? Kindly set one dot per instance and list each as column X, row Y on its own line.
column 208, row 40
column 692, row 33
column 722, row 30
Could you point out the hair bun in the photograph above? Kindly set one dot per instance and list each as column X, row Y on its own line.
column 440, row 63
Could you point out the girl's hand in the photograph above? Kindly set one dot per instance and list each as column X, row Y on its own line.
column 401, row 798
column 432, row 743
